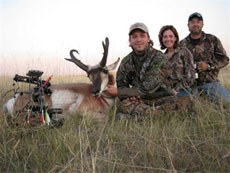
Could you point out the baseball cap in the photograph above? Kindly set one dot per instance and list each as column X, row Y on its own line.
column 140, row 26
column 197, row 15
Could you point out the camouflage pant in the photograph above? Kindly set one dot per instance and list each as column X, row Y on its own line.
column 151, row 107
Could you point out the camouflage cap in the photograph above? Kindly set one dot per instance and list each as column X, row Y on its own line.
column 138, row 25
column 197, row 15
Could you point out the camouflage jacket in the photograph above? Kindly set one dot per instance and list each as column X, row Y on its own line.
column 209, row 49
column 180, row 69
column 143, row 74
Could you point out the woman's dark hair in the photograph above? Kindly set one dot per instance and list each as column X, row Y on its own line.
column 162, row 30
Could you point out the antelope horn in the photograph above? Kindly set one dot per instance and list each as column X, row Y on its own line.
column 105, row 54
column 77, row 61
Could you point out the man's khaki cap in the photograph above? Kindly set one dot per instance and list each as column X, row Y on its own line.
column 138, row 25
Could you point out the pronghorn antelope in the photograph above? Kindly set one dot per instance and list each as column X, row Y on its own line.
column 78, row 97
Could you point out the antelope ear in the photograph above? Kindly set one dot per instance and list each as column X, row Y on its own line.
column 113, row 66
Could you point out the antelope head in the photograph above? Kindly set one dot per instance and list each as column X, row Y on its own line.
column 98, row 74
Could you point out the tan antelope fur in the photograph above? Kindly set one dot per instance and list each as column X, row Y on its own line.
column 84, row 98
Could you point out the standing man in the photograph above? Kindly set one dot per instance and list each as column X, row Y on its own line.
column 140, row 80
column 209, row 57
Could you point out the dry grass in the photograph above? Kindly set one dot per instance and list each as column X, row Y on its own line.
column 196, row 141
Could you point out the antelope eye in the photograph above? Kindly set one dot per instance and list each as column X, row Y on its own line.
column 105, row 71
column 89, row 76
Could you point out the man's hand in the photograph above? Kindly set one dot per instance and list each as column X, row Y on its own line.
column 202, row 66
column 138, row 98
column 111, row 90
column 174, row 92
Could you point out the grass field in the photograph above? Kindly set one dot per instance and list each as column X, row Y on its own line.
column 197, row 141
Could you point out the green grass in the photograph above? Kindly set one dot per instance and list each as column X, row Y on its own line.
column 197, row 141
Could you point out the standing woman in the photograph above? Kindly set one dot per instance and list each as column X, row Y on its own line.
column 180, row 65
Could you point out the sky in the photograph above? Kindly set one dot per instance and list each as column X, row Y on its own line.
column 38, row 34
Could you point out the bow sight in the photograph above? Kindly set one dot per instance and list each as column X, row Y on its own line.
column 36, row 102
